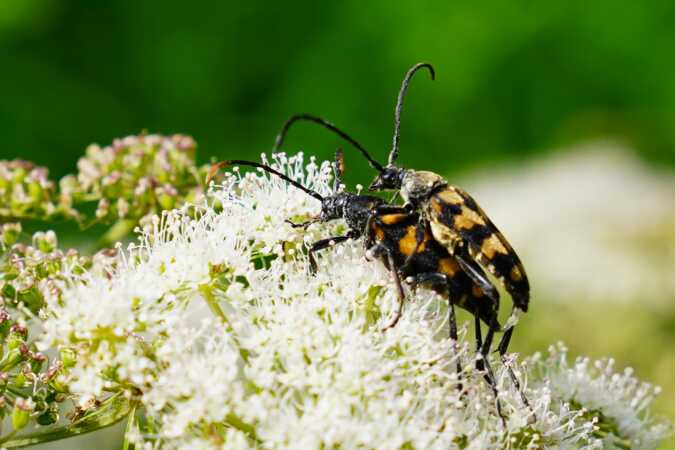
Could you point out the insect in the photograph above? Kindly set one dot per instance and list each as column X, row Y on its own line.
column 391, row 236
column 453, row 216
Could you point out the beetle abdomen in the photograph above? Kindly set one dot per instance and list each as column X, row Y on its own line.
column 456, row 219
column 398, row 232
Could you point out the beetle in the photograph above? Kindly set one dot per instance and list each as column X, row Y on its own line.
column 391, row 235
column 453, row 216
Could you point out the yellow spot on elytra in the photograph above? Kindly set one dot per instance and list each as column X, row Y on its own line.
column 468, row 219
column 390, row 219
column 492, row 246
column 516, row 274
column 450, row 195
column 445, row 235
column 408, row 243
column 448, row 266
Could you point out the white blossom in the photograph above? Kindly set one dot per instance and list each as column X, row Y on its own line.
column 214, row 324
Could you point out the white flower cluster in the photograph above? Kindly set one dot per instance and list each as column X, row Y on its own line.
column 215, row 326
column 617, row 403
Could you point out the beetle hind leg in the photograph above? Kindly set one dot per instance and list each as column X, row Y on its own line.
column 502, row 348
column 483, row 364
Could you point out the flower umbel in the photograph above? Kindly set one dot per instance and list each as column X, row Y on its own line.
column 213, row 326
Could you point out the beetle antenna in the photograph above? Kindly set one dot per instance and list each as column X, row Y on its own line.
column 399, row 106
column 216, row 167
column 326, row 124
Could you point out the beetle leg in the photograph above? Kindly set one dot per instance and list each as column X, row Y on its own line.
column 502, row 348
column 368, row 241
column 380, row 251
column 482, row 363
column 477, row 275
column 303, row 224
column 322, row 244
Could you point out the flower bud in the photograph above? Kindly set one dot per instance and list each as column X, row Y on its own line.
column 20, row 381
column 35, row 192
column 46, row 242
column 37, row 362
column 5, row 319
column 21, row 413
column 15, row 340
column 102, row 209
column 10, row 234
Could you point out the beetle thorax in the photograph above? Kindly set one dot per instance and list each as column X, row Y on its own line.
column 417, row 185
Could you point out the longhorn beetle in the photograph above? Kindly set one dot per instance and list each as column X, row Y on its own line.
column 455, row 219
column 392, row 237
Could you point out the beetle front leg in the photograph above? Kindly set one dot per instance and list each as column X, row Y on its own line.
column 303, row 224
column 322, row 244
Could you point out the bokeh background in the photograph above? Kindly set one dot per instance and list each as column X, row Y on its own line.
column 558, row 116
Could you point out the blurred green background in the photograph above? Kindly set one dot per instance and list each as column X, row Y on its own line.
column 515, row 80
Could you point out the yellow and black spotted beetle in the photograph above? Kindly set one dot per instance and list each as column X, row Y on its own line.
column 391, row 235
column 453, row 216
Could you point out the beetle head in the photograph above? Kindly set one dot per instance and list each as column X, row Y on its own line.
column 389, row 179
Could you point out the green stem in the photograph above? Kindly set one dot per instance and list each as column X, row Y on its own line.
column 207, row 292
column 130, row 423
column 111, row 411
column 235, row 422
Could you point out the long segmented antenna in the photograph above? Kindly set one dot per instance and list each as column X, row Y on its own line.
column 399, row 105
column 216, row 167
column 323, row 122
